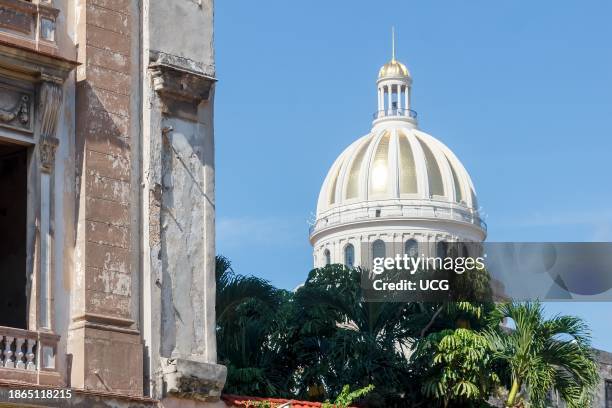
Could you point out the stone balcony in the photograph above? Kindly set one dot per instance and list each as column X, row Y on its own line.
column 29, row 24
column 28, row 356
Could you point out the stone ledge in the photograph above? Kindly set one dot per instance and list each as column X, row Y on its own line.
column 190, row 379
column 182, row 64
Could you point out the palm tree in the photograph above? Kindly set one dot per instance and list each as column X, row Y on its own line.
column 234, row 289
column 544, row 355
column 249, row 318
column 342, row 339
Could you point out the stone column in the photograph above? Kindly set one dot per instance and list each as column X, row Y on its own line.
column 104, row 335
column 399, row 98
column 49, row 105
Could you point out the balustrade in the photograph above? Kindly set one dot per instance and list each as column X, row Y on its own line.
column 24, row 350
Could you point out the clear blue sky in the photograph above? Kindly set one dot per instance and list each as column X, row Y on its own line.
column 521, row 91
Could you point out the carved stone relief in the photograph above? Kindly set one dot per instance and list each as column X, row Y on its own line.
column 47, row 146
column 50, row 102
column 15, row 108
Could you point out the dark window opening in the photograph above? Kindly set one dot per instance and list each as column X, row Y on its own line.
column 349, row 255
column 379, row 249
column 327, row 255
column 411, row 248
column 442, row 249
column 13, row 218
column 608, row 393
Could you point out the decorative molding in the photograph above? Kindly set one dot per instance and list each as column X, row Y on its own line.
column 174, row 83
column 49, row 106
column 181, row 63
column 103, row 320
column 181, row 83
column 23, row 63
column 47, row 147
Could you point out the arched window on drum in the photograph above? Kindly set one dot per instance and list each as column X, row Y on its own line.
column 411, row 248
column 349, row 255
column 378, row 249
column 327, row 256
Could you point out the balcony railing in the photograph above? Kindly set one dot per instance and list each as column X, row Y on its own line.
column 452, row 214
column 28, row 356
column 409, row 113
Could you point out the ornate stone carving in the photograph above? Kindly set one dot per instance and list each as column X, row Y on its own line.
column 47, row 147
column 15, row 108
column 21, row 112
column 50, row 102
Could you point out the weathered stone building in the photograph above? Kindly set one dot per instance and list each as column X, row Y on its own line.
column 107, row 204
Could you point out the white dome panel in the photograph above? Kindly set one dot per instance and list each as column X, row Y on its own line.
column 367, row 171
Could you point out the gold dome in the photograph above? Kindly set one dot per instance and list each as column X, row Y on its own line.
column 393, row 68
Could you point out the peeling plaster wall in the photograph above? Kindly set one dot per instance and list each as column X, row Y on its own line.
column 190, row 20
column 182, row 238
column 104, row 336
column 178, row 317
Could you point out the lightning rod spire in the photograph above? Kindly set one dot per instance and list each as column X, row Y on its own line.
column 392, row 43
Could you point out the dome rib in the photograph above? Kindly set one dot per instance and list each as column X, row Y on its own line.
column 467, row 187
column 407, row 166
column 434, row 173
column 354, row 174
column 412, row 164
column 380, row 171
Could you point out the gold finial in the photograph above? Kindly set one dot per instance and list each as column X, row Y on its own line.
column 392, row 43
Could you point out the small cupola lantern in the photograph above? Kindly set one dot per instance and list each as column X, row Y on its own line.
column 394, row 85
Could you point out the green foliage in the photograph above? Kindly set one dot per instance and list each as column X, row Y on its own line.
column 543, row 355
column 347, row 340
column 251, row 315
column 347, row 397
column 311, row 343
column 457, row 367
